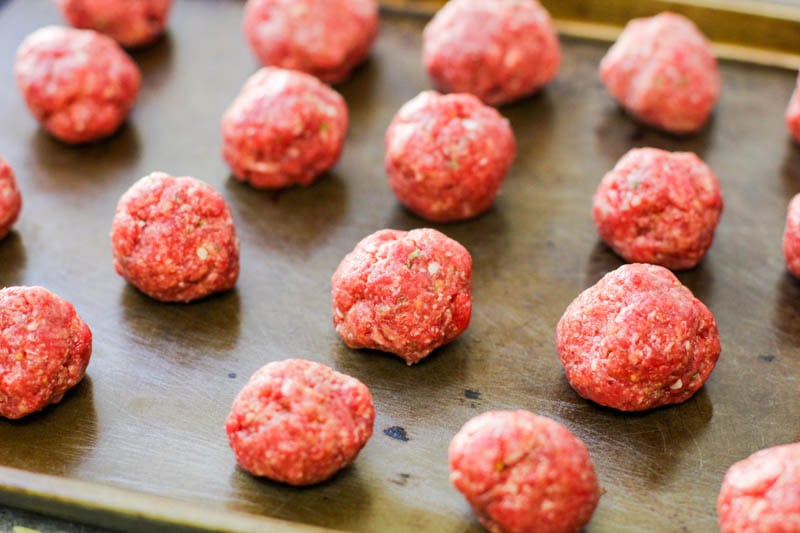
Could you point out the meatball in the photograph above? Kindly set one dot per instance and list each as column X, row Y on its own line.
column 761, row 494
column 10, row 198
column 448, row 155
column 663, row 72
column 791, row 237
column 129, row 22
column 793, row 113
column 658, row 207
column 174, row 239
column 521, row 472
column 45, row 348
column 403, row 292
column 79, row 84
column 299, row 422
column 284, row 128
column 325, row 38
column 637, row 340
column 498, row 50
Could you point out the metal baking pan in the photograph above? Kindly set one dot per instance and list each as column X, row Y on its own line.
column 140, row 442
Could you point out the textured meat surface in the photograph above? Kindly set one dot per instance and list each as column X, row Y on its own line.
column 498, row 50
column 325, row 38
column 129, row 22
column 10, row 198
column 761, row 494
column 79, row 84
column 45, row 348
column 447, row 155
column 791, row 237
column 284, row 128
column 523, row 473
column 638, row 339
column 174, row 239
column 658, row 207
column 663, row 72
column 299, row 422
column 403, row 292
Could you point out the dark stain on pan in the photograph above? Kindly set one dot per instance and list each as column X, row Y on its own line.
column 396, row 433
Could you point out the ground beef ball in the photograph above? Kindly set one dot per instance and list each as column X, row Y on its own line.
column 658, row 207
column 761, row 494
column 174, row 239
column 637, row 340
column 403, row 292
column 79, row 84
column 44, row 349
column 791, row 237
column 521, row 473
column 299, row 422
column 10, row 198
column 129, row 22
column 793, row 113
column 498, row 50
column 447, row 155
column 325, row 38
column 285, row 128
column 663, row 72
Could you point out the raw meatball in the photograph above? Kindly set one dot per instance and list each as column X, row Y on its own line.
column 79, row 84
column 299, row 422
column 761, row 494
column 637, row 340
column 663, row 72
column 325, row 38
column 44, row 349
column 658, row 207
column 447, row 155
column 129, row 22
column 793, row 113
column 10, row 198
column 403, row 292
column 285, row 128
column 791, row 237
column 174, row 239
column 521, row 473
column 498, row 50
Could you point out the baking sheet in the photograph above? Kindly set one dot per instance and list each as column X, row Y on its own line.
column 149, row 416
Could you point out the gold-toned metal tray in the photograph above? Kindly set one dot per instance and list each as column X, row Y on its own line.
column 141, row 443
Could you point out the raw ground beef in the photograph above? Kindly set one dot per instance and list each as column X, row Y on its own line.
column 637, row 340
column 401, row 292
column 79, row 84
column 299, row 422
column 524, row 473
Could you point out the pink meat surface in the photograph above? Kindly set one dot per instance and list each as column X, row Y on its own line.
column 658, row 207
column 174, row 239
column 325, row 38
column 447, row 155
column 299, row 422
column 663, row 72
column 284, row 128
column 45, row 348
column 791, row 237
column 792, row 116
column 498, row 50
column 761, row 494
column 403, row 292
column 10, row 198
column 129, row 22
column 637, row 340
column 79, row 84
column 524, row 473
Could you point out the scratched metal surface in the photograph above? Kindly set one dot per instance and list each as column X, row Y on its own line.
column 150, row 414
